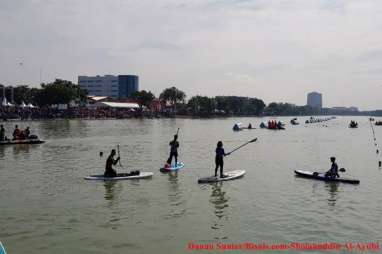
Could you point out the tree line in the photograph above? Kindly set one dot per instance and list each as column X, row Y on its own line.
column 63, row 92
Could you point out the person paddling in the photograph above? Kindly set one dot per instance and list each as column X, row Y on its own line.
column 174, row 144
column 2, row 133
column 333, row 171
column 109, row 171
column 219, row 162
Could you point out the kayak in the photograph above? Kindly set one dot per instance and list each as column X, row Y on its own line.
column 120, row 176
column 322, row 177
column 231, row 175
column 22, row 142
column 178, row 166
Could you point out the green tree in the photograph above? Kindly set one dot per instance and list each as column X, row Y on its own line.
column 173, row 95
column 144, row 98
column 201, row 105
column 58, row 92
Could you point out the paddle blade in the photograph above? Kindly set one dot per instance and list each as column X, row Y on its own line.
column 253, row 140
column 342, row 170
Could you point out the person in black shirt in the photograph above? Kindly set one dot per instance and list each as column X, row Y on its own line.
column 173, row 151
column 109, row 171
column 219, row 162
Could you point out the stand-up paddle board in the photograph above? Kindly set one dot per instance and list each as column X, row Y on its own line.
column 231, row 175
column 322, row 177
column 173, row 167
column 120, row 176
column 2, row 249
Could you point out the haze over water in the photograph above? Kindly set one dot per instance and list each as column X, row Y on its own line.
column 47, row 207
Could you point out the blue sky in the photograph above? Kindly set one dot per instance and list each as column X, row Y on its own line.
column 271, row 49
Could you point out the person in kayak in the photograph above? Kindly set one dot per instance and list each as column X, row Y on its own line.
column 173, row 151
column 27, row 132
column 219, row 162
column 16, row 133
column 333, row 171
column 109, row 171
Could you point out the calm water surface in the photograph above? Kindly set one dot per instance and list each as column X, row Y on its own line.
column 47, row 207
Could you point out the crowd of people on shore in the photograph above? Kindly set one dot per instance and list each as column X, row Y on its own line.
column 19, row 113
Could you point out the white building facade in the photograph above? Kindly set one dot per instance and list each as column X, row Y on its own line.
column 117, row 87
column 100, row 85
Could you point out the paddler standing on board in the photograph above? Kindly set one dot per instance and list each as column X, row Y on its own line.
column 174, row 145
column 109, row 171
column 219, row 162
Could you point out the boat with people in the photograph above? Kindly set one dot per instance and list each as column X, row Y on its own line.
column 237, row 127
column 294, row 121
column 319, row 120
column 22, row 142
column 323, row 177
column 273, row 125
column 378, row 123
column 19, row 137
column 353, row 124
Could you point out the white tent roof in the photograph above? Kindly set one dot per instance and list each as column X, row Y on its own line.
column 119, row 104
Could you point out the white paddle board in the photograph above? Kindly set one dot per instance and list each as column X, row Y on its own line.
column 231, row 175
column 121, row 176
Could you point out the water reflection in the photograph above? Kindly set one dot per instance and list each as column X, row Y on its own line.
column 175, row 196
column 112, row 191
column 332, row 187
column 220, row 201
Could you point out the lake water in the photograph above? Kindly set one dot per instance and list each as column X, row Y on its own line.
column 47, row 207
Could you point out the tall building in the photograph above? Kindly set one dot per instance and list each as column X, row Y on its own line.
column 314, row 100
column 117, row 87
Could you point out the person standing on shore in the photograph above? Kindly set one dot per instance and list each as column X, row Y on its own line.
column 174, row 145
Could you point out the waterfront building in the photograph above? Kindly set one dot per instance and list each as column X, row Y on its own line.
column 116, row 87
column 314, row 100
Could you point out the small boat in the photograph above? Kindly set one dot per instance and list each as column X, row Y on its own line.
column 353, row 124
column 294, row 121
column 22, row 142
column 322, row 177
column 378, row 123
column 237, row 127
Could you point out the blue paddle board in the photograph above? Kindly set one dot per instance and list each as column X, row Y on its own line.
column 173, row 167
column 2, row 249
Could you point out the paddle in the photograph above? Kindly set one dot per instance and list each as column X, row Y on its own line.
column 119, row 156
column 237, row 148
column 177, row 132
column 317, row 173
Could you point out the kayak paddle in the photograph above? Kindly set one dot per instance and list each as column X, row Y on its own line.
column 237, row 148
column 341, row 170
